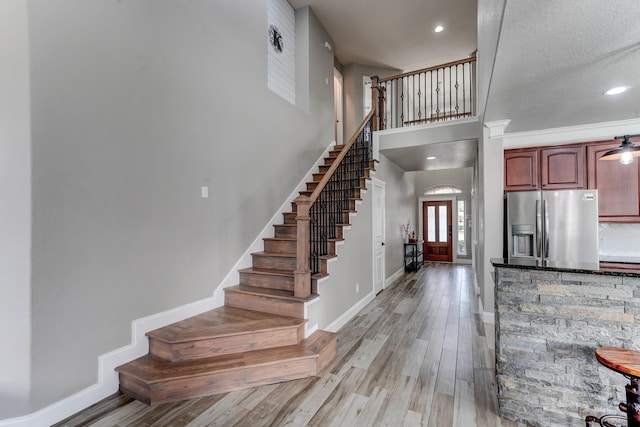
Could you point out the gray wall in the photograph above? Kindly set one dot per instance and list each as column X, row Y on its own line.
column 136, row 105
column 353, row 86
column 399, row 208
column 489, row 23
column 15, row 211
column 353, row 266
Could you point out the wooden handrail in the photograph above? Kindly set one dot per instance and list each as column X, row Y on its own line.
column 302, row 273
column 336, row 162
column 426, row 70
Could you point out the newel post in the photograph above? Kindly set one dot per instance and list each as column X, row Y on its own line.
column 375, row 84
column 377, row 102
column 302, row 274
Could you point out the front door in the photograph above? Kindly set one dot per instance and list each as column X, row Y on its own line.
column 437, row 227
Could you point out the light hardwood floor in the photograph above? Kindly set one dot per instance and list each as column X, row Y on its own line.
column 417, row 355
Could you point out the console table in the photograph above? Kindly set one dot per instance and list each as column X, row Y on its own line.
column 413, row 256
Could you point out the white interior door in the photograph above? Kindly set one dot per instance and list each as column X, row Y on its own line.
column 378, row 235
column 337, row 105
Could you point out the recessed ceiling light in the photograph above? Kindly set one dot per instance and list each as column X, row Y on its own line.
column 616, row 90
column 438, row 29
column 431, row 158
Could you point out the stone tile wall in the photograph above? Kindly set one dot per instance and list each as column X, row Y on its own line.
column 548, row 325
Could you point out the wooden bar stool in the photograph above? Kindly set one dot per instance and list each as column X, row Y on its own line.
column 627, row 363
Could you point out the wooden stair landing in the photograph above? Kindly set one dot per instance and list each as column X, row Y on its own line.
column 223, row 350
column 153, row 381
column 225, row 330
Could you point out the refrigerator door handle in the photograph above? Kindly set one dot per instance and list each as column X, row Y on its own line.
column 546, row 229
column 538, row 230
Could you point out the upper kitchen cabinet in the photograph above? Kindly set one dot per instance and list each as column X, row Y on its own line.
column 553, row 168
column 563, row 168
column 617, row 184
column 521, row 170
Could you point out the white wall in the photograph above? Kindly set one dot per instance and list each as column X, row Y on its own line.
column 490, row 216
column 135, row 106
column 15, row 209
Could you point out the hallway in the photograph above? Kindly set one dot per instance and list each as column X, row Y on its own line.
column 417, row 355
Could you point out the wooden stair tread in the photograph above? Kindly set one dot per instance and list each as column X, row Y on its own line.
column 275, row 254
column 281, row 238
column 222, row 322
column 265, row 271
column 272, row 293
column 152, row 370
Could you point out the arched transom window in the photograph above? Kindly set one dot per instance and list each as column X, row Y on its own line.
column 442, row 189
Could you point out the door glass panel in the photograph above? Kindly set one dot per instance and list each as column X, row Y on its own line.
column 462, row 246
column 442, row 223
column 431, row 223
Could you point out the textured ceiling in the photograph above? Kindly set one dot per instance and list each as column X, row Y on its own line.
column 555, row 58
column 397, row 34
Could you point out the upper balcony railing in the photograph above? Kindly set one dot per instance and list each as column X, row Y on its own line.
column 443, row 92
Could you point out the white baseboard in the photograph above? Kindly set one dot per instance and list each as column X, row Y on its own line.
column 394, row 278
column 485, row 316
column 107, row 378
column 348, row 315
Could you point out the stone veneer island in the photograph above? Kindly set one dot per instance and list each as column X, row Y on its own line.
column 549, row 321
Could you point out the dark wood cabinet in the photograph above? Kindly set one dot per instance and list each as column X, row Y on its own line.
column 618, row 185
column 563, row 168
column 521, row 170
column 552, row 168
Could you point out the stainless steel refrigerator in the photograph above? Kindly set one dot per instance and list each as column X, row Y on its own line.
column 552, row 228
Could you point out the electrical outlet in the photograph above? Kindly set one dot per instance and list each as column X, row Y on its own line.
column 357, row 287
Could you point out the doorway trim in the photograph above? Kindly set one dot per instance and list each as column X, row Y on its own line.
column 377, row 185
column 443, row 197
column 338, row 103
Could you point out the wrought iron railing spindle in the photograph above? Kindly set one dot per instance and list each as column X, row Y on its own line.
column 404, row 100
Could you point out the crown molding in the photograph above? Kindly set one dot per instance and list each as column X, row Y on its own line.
column 571, row 134
column 497, row 127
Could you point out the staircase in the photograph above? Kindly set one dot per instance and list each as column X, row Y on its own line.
column 257, row 337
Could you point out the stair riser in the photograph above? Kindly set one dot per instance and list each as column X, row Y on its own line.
column 280, row 246
column 265, row 304
column 223, row 382
column 282, row 231
column 265, row 281
column 289, row 217
column 274, row 262
column 225, row 345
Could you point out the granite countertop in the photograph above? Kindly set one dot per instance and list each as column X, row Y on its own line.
column 603, row 268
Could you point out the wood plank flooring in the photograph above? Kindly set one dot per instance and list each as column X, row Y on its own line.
column 417, row 355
